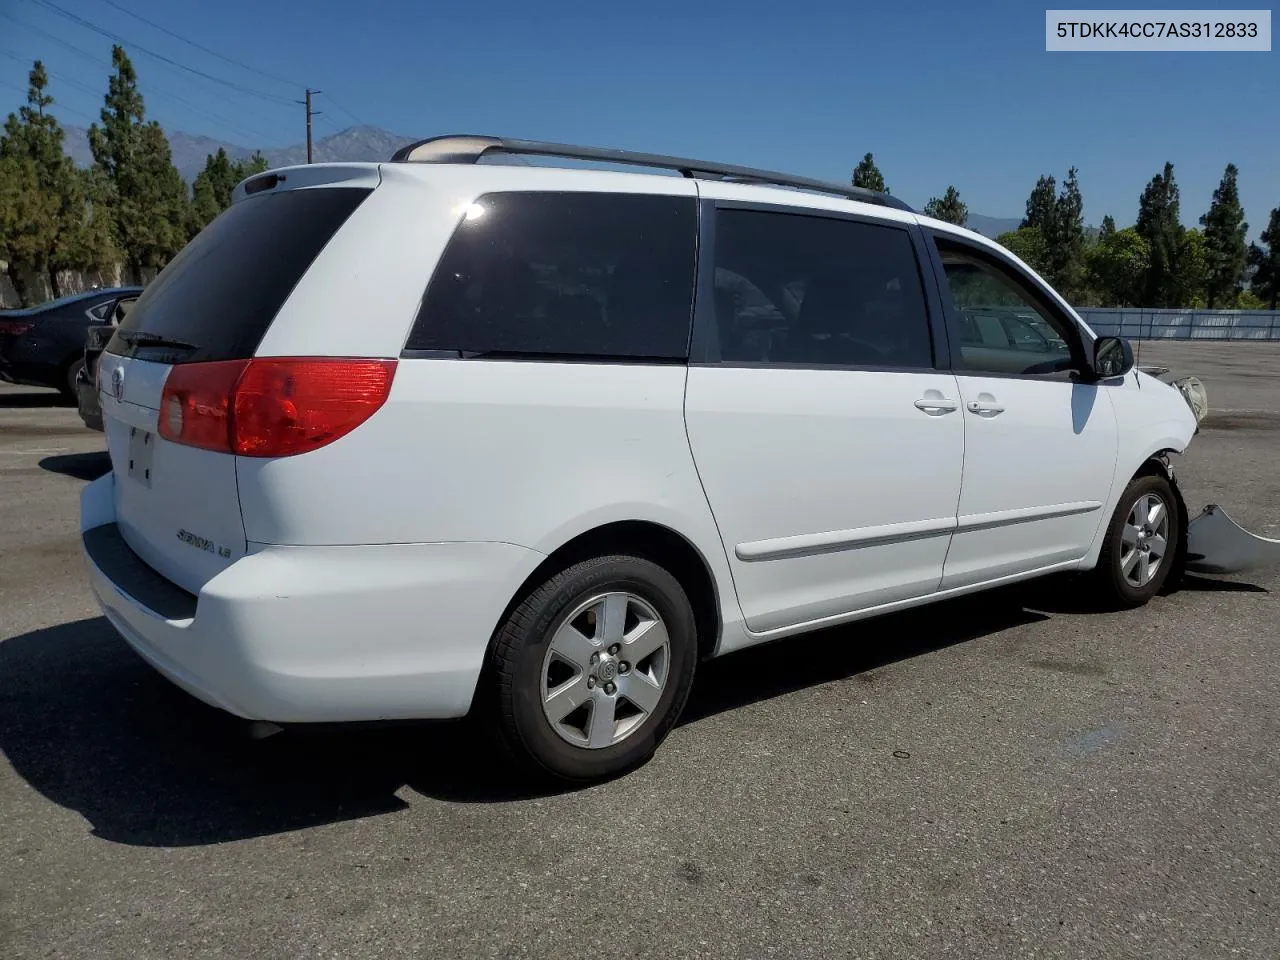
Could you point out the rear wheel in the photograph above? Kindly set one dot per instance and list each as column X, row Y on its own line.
column 590, row 672
column 1141, row 543
column 68, row 387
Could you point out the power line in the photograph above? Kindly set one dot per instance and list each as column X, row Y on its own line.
column 56, row 103
column 162, row 94
column 346, row 111
column 231, row 125
column 166, row 95
column 58, row 40
column 76, row 18
column 212, row 53
column 30, row 61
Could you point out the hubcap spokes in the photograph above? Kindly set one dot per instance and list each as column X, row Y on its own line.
column 1144, row 540
column 605, row 670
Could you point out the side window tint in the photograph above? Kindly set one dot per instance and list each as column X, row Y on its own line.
column 1003, row 326
column 822, row 292
column 579, row 274
column 750, row 318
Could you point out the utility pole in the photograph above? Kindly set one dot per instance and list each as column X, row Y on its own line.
column 310, row 113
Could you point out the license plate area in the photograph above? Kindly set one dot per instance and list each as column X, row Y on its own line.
column 142, row 445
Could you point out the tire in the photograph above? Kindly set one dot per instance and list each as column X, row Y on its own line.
column 550, row 705
column 1124, row 578
column 68, row 385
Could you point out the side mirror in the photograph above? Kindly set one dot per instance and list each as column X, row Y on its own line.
column 1112, row 357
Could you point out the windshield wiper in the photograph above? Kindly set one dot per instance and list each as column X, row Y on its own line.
column 140, row 338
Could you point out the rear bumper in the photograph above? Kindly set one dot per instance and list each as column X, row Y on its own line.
column 312, row 634
column 87, row 400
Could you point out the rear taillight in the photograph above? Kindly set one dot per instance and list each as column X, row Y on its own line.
column 15, row 328
column 195, row 405
column 271, row 406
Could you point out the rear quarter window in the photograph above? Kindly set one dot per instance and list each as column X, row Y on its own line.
column 593, row 275
column 221, row 292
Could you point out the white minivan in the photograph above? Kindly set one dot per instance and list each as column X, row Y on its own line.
column 438, row 436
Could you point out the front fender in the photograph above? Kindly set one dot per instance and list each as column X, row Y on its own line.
column 1154, row 420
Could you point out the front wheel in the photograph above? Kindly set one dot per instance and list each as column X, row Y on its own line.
column 590, row 672
column 1141, row 544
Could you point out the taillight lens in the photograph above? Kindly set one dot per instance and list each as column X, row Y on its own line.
column 271, row 406
column 15, row 328
column 285, row 406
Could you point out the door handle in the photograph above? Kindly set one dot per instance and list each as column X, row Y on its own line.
column 985, row 408
column 937, row 406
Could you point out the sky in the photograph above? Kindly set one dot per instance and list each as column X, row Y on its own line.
column 941, row 93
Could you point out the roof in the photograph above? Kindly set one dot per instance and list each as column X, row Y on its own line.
column 469, row 148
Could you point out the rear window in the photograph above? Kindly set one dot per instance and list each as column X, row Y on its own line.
column 595, row 275
column 220, row 294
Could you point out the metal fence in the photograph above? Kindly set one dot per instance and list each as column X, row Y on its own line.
column 1140, row 324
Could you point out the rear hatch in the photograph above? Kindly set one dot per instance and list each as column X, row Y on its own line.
column 177, row 505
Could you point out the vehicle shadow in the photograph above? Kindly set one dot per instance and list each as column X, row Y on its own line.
column 44, row 398
column 775, row 669
column 81, row 466
column 1198, row 584
column 94, row 729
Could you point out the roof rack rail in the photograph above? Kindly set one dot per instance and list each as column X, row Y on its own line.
column 466, row 148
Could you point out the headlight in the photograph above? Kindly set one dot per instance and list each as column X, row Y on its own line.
column 1193, row 392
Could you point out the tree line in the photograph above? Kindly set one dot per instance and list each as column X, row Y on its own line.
column 130, row 208
column 1154, row 263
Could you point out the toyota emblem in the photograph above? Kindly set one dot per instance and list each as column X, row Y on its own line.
column 117, row 383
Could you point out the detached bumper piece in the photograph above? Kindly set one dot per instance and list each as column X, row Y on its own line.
column 1217, row 544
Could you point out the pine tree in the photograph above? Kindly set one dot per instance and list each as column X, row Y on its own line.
column 1066, row 243
column 28, row 222
column 1159, row 224
column 950, row 208
column 211, row 189
column 163, row 193
column 1264, row 260
column 213, row 186
column 1041, row 206
column 1192, row 274
column 149, row 198
column 88, row 243
column 1226, row 255
column 33, row 133
column 867, row 176
column 257, row 163
column 1107, row 229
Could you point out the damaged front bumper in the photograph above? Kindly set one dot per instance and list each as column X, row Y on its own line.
column 1215, row 542
column 1191, row 388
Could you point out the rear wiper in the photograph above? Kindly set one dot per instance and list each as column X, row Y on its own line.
column 140, row 338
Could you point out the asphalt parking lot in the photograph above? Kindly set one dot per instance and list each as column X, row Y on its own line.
column 1003, row 776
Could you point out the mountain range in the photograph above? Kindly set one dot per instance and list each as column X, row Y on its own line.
column 189, row 152
column 354, row 143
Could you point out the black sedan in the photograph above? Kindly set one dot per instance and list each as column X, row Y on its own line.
column 44, row 346
column 96, row 340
